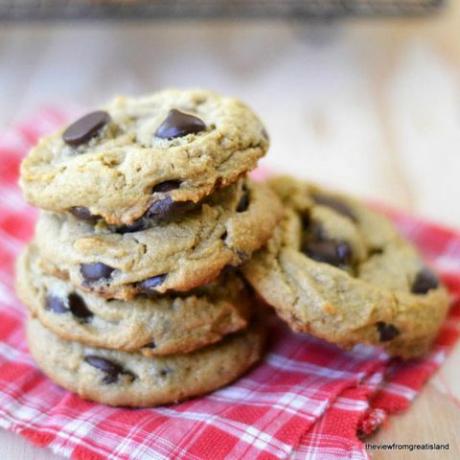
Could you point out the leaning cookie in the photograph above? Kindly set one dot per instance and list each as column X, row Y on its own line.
column 169, row 255
column 138, row 154
column 131, row 379
column 340, row 271
column 158, row 326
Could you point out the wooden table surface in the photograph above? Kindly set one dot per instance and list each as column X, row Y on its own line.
column 368, row 107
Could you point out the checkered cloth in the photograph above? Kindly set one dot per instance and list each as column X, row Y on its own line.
column 307, row 399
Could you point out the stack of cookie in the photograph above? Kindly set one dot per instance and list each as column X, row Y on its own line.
column 129, row 280
column 147, row 210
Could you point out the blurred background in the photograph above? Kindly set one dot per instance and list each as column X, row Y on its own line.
column 360, row 95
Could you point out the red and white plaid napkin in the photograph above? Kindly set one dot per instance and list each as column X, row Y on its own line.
column 307, row 399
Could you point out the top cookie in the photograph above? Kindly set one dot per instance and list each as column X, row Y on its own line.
column 340, row 271
column 142, row 153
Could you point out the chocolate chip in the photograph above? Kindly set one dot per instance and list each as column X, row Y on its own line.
column 85, row 128
column 167, row 207
column 95, row 272
column 111, row 369
column 387, row 332
column 161, row 208
column 335, row 204
column 138, row 225
column 224, row 235
column 375, row 251
column 165, row 371
column 83, row 213
column 316, row 231
column 178, row 124
column 78, row 307
column 244, row 202
column 56, row 304
column 166, row 186
column 148, row 286
column 343, row 251
column 337, row 253
column 424, row 281
column 306, row 220
column 150, row 345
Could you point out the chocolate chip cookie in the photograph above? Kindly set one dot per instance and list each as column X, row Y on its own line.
column 131, row 379
column 141, row 155
column 155, row 326
column 165, row 255
column 340, row 271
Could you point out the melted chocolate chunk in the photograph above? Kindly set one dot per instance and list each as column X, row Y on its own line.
column 162, row 210
column 178, row 124
column 166, row 208
column 335, row 204
column 95, row 272
column 78, row 307
column 83, row 213
column 85, row 128
column 243, row 204
column 148, row 286
column 387, row 332
column 150, row 345
column 166, row 186
column 337, row 253
column 424, row 281
column 56, row 304
column 111, row 370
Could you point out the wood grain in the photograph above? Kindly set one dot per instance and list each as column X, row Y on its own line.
column 367, row 107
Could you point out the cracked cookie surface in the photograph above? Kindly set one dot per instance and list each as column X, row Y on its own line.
column 132, row 379
column 140, row 153
column 155, row 326
column 171, row 255
column 340, row 271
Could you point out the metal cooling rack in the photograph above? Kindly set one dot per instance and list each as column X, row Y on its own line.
column 168, row 9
